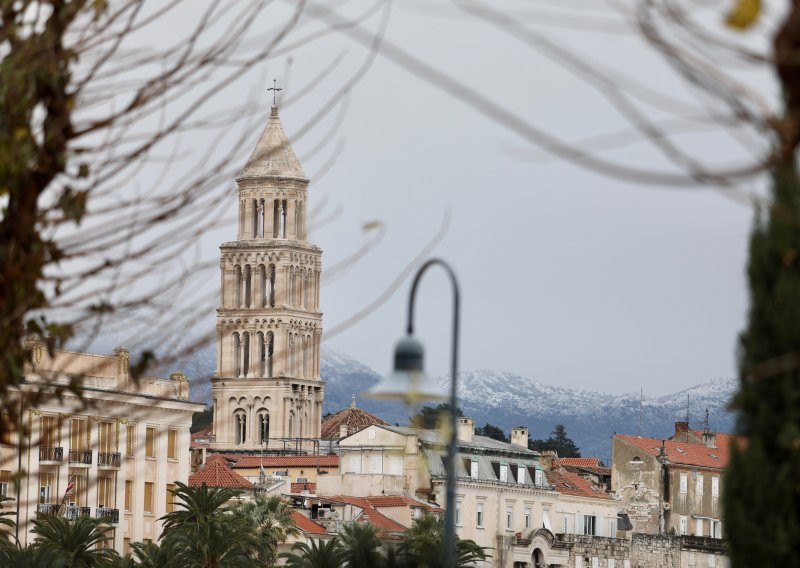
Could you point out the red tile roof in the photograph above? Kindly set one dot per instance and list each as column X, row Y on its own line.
column 353, row 418
column 284, row 461
column 307, row 525
column 586, row 462
column 687, row 453
column 300, row 487
column 216, row 473
column 570, row 483
column 370, row 514
column 401, row 501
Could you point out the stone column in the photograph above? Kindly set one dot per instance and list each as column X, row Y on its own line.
column 253, row 370
column 247, row 232
column 278, row 352
column 281, row 279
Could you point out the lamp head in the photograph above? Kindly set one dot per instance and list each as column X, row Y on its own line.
column 407, row 381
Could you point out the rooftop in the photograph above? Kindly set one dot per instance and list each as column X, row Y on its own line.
column 352, row 417
column 687, row 453
column 273, row 155
column 283, row 461
column 569, row 483
column 217, row 473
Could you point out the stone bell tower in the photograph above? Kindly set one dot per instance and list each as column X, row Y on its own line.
column 267, row 391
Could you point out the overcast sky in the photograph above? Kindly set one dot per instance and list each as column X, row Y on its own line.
column 567, row 276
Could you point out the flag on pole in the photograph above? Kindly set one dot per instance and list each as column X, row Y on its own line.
column 70, row 486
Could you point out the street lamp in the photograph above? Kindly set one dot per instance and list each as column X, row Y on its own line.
column 407, row 382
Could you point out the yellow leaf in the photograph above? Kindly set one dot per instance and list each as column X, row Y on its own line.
column 371, row 225
column 744, row 14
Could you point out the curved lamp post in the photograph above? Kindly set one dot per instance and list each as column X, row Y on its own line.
column 407, row 382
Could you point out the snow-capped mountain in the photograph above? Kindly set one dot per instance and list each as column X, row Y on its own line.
column 507, row 400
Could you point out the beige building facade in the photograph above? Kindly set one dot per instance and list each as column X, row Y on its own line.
column 122, row 444
column 267, row 389
column 505, row 499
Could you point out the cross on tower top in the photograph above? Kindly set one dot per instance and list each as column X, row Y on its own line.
column 274, row 88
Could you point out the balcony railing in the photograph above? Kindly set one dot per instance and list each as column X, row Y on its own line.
column 74, row 511
column 80, row 457
column 108, row 459
column 47, row 509
column 51, row 454
column 110, row 515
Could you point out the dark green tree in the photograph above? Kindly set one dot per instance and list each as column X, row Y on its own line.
column 201, row 420
column 761, row 491
column 430, row 417
column 558, row 442
column 492, row 431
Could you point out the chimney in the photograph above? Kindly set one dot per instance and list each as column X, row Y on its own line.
column 519, row 436
column 466, row 428
column 681, row 428
column 546, row 459
column 710, row 438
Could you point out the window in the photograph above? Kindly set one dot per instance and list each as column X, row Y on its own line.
column 698, row 485
column 130, row 439
column 566, row 524
column 46, row 492
column 106, row 437
column 354, row 464
column 396, row 465
column 458, row 512
column 172, row 444
column 240, row 427
column 105, row 492
column 684, row 526
column 150, row 442
column 611, row 563
column 521, row 474
column 77, row 434
column 527, row 518
column 539, row 477
column 48, row 436
column 5, row 475
column 479, row 516
column 698, row 527
column 128, row 494
column 715, row 487
column 170, row 491
column 589, row 525
column 716, row 529
column 684, row 484
column 595, row 562
column 509, row 518
column 376, row 464
column 473, row 468
column 612, row 528
column 148, row 497
column 546, row 519
column 504, row 472
column 263, row 428
column 626, row 563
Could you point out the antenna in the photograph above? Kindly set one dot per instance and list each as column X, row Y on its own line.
column 641, row 401
column 687, row 409
column 707, row 420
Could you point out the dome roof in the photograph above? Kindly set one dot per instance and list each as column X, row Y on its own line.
column 273, row 155
column 353, row 418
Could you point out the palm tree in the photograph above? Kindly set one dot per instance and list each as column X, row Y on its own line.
column 271, row 520
column 197, row 504
column 150, row 555
column 318, row 554
column 6, row 519
column 76, row 540
column 360, row 545
column 29, row 556
column 423, row 544
column 203, row 532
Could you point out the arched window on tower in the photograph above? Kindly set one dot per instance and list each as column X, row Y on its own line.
column 269, row 339
column 276, row 219
column 237, row 285
column 245, row 354
column 283, row 219
column 290, row 431
column 263, row 427
column 305, row 356
column 240, row 426
column 236, row 347
column 306, row 289
column 248, row 286
column 291, row 286
column 254, row 220
column 262, row 355
column 270, row 295
column 301, row 222
column 291, row 355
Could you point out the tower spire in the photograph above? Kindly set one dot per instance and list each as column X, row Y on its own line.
column 274, row 88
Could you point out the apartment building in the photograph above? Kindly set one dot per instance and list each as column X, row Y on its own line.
column 113, row 451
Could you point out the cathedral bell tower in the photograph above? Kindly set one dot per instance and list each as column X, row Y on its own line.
column 267, row 391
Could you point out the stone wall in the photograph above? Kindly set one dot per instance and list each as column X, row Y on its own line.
column 668, row 551
column 588, row 548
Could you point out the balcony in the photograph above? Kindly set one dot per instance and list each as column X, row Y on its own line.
column 107, row 514
column 47, row 509
column 72, row 512
column 108, row 460
column 80, row 457
column 51, row 455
